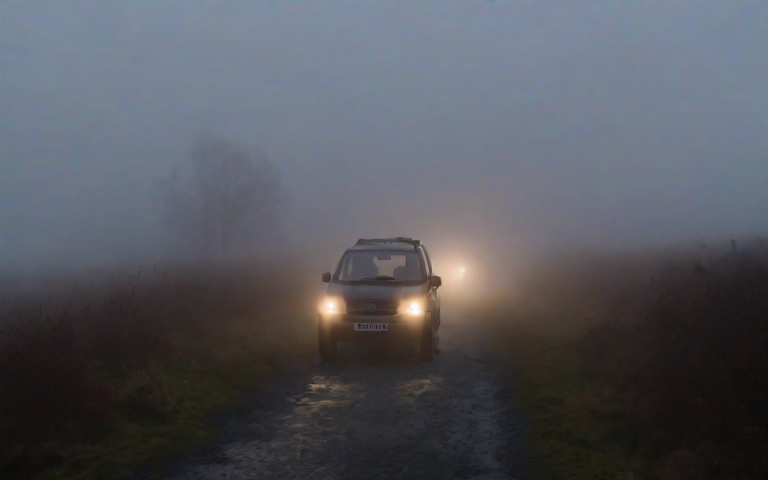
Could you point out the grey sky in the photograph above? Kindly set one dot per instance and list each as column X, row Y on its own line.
column 544, row 122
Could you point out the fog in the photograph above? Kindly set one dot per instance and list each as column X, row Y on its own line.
column 477, row 126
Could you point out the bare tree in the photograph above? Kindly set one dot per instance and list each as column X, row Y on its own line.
column 222, row 194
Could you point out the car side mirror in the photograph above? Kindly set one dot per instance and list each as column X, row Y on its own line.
column 327, row 277
column 435, row 281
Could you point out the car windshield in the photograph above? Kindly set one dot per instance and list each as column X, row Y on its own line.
column 381, row 265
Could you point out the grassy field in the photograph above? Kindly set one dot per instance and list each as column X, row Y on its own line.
column 111, row 378
column 649, row 365
column 652, row 366
column 573, row 424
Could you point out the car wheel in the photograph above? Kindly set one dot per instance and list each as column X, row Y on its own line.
column 326, row 344
column 428, row 342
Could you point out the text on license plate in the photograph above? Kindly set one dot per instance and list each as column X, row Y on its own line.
column 371, row 327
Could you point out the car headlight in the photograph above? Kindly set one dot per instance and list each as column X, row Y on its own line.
column 414, row 306
column 331, row 305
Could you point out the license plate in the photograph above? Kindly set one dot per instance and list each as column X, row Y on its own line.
column 371, row 327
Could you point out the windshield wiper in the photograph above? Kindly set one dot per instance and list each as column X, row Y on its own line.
column 379, row 277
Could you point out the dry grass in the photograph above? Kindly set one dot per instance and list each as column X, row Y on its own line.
column 97, row 380
column 633, row 374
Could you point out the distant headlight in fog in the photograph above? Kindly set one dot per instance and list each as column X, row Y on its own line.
column 462, row 273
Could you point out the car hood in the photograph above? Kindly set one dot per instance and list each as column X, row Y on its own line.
column 377, row 292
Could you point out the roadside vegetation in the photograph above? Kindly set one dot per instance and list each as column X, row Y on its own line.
column 98, row 379
column 109, row 370
column 651, row 365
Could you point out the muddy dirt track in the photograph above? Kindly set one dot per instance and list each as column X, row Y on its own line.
column 374, row 413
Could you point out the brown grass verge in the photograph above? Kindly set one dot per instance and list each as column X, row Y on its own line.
column 633, row 374
column 97, row 380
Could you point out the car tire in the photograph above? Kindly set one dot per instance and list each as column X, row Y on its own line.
column 326, row 344
column 427, row 347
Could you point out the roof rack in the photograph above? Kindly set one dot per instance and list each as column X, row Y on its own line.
column 391, row 240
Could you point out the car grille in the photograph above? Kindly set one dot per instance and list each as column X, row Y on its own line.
column 362, row 307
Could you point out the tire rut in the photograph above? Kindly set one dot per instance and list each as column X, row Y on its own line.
column 372, row 414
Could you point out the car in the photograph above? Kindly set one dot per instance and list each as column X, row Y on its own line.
column 382, row 288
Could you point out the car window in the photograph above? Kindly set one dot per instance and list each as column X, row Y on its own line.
column 403, row 266
column 387, row 266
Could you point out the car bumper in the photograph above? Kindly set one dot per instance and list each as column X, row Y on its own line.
column 342, row 326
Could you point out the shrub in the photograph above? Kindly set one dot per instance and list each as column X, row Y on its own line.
column 75, row 363
column 44, row 389
column 695, row 365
